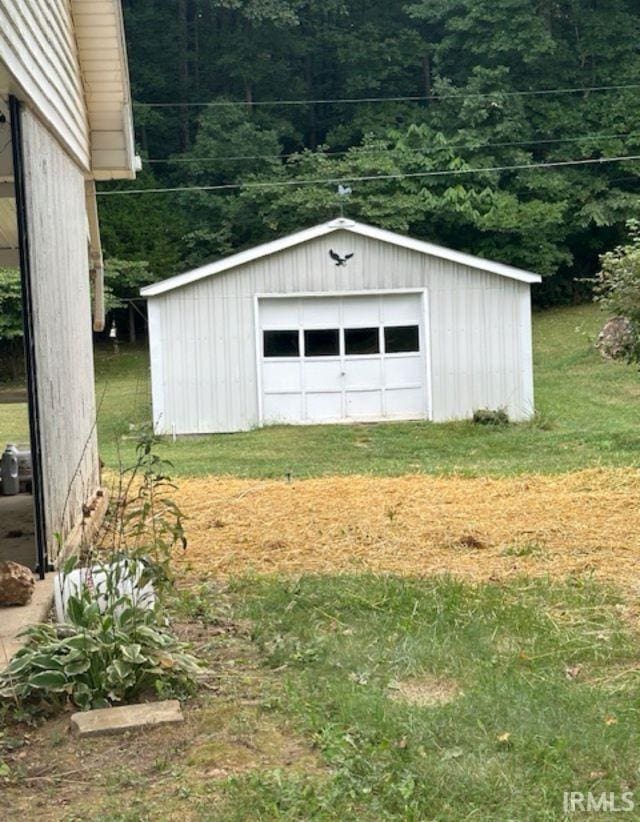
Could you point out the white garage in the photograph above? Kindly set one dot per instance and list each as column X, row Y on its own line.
column 339, row 323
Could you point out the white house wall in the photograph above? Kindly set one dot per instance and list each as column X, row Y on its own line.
column 56, row 215
column 38, row 47
column 203, row 349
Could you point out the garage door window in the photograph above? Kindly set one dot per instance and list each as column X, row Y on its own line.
column 361, row 341
column 281, row 344
column 401, row 339
column 322, row 343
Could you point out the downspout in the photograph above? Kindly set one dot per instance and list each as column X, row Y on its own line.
column 96, row 262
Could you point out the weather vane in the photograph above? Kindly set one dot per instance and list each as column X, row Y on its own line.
column 344, row 192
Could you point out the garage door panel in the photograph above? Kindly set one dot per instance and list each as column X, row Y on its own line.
column 282, row 408
column 400, row 371
column 352, row 378
column 404, row 403
column 281, row 376
column 364, row 405
column 324, row 406
column 360, row 311
column 320, row 312
column 362, row 373
column 322, row 375
column 279, row 313
column 402, row 309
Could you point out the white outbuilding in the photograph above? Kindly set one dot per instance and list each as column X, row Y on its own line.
column 342, row 322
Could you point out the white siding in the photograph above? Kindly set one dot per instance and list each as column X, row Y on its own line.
column 56, row 215
column 203, row 352
column 67, row 60
column 38, row 47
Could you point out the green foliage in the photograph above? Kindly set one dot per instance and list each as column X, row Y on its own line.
column 144, row 521
column 617, row 285
column 486, row 416
column 10, row 305
column 519, row 724
column 471, row 55
column 109, row 651
column 123, row 280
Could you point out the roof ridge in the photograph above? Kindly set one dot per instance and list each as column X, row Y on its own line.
column 323, row 229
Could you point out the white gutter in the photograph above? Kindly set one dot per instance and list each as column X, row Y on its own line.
column 96, row 262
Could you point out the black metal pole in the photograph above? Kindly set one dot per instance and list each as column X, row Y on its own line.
column 29, row 336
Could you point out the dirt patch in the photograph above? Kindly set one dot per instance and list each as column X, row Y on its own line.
column 230, row 729
column 477, row 528
column 425, row 692
column 240, row 738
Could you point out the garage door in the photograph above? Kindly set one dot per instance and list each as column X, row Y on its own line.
column 335, row 359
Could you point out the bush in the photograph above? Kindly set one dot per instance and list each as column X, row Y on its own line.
column 107, row 652
column 485, row 416
column 617, row 286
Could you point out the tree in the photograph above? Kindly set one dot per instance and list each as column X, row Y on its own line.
column 617, row 285
column 472, row 71
column 11, row 327
column 123, row 280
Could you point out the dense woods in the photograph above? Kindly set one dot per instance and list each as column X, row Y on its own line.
column 476, row 69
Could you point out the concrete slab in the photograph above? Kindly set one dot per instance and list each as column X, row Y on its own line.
column 14, row 619
column 126, row 718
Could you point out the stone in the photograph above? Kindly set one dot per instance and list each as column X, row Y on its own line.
column 105, row 721
column 17, row 584
column 617, row 339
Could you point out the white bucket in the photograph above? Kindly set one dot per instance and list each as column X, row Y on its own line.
column 95, row 579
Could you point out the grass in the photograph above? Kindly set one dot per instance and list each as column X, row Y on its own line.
column 302, row 720
column 544, row 707
column 587, row 416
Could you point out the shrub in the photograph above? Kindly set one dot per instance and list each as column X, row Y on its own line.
column 485, row 416
column 617, row 286
column 110, row 650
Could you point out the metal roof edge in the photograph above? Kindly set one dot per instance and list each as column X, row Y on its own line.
column 340, row 224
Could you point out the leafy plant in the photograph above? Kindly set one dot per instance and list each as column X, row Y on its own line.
column 486, row 416
column 11, row 358
column 617, row 285
column 144, row 522
column 111, row 649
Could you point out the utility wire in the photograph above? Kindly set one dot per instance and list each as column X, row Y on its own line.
column 410, row 99
column 370, row 178
column 372, row 149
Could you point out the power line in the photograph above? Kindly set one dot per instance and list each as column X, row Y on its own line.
column 370, row 178
column 409, row 99
column 381, row 150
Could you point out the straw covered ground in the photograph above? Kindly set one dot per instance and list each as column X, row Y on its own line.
column 477, row 528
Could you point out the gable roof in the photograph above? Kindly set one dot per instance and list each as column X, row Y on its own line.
column 322, row 230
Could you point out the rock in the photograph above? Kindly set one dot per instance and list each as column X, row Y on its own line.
column 16, row 584
column 104, row 721
column 617, row 338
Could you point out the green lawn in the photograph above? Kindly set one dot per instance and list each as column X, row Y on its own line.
column 304, row 715
column 588, row 415
column 548, row 697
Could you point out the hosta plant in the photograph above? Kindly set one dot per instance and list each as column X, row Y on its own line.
column 103, row 655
